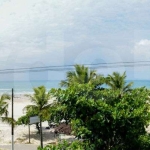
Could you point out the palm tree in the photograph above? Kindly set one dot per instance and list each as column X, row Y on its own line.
column 40, row 106
column 116, row 81
column 81, row 75
column 4, row 108
column 40, row 100
column 4, row 105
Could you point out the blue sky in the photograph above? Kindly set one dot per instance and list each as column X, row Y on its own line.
column 59, row 32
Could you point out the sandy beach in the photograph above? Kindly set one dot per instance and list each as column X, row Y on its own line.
column 21, row 132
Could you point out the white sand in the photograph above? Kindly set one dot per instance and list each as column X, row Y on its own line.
column 21, row 133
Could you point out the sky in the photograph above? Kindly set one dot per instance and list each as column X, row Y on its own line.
column 37, row 33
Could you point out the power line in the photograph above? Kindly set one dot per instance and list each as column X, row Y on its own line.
column 60, row 66
column 70, row 67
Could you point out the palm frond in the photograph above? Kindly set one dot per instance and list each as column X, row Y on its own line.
column 30, row 108
column 8, row 120
column 116, row 81
column 5, row 97
column 80, row 75
column 40, row 100
column 4, row 105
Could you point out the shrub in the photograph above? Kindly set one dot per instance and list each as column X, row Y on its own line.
column 104, row 118
column 64, row 145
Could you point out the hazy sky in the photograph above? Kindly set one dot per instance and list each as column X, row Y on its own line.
column 59, row 32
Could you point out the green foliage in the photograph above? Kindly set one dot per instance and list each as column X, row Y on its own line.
column 4, row 105
column 40, row 106
column 40, row 100
column 4, row 109
column 144, row 142
column 117, row 81
column 82, row 75
column 64, row 145
column 23, row 120
column 103, row 118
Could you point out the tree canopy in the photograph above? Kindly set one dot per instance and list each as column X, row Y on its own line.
column 4, row 98
column 81, row 75
column 40, row 100
column 116, row 81
column 104, row 119
column 40, row 106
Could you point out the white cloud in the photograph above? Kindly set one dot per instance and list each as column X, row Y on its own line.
column 144, row 42
column 141, row 50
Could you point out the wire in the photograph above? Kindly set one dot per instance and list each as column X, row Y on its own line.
column 59, row 66
column 70, row 67
column 117, row 66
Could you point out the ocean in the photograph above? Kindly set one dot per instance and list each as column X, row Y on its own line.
column 26, row 87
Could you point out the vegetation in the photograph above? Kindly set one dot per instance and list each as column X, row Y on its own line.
column 4, row 109
column 106, row 121
column 100, row 119
column 25, row 118
column 40, row 106
column 81, row 75
column 4, row 105
column 40, row 100
column 116, row 81
column 64, row 145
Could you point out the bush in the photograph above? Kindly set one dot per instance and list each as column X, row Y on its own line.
column 105, row 118
column 64, row 145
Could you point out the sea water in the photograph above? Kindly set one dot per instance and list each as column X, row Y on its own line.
column 26, row 87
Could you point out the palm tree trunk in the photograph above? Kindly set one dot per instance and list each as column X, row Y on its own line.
column 41, row 134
